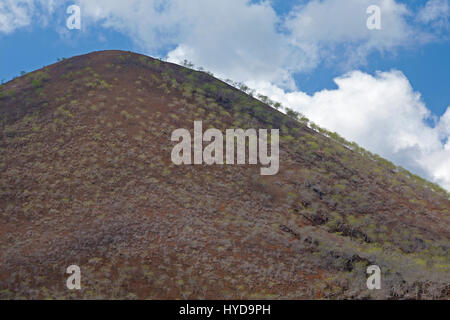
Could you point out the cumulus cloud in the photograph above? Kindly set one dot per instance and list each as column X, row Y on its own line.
column 326, row 25
column 241, row 35
column 222, row 36
column 382, row 113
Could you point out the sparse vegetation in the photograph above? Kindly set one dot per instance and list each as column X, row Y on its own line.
column 86, row 178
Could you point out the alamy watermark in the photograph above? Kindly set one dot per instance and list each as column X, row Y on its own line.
column 74, row 281
column 374, row 280
column 374, row 20
column 214, row 152
column 74, row 20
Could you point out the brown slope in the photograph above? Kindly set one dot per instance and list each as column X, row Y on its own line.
column 86, row 178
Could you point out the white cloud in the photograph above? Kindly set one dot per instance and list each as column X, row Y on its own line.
column 436, row 13
column 149, row 23
column 15, row 14
column 222, row 36
column 434, row 10
column 326, row 25
column 240, row 35
column 381, row 113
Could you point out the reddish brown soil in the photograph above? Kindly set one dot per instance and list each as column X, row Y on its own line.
column 86, row 178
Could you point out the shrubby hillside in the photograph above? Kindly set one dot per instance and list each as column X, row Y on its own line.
column 86, row 178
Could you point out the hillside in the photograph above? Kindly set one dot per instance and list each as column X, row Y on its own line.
column 86, row 178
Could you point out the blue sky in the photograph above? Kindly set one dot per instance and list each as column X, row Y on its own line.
column 426, row 67
column 291, row 50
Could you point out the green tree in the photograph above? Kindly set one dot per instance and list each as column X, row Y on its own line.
column 188, row 64
column 292, row 114
column 277, row 105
